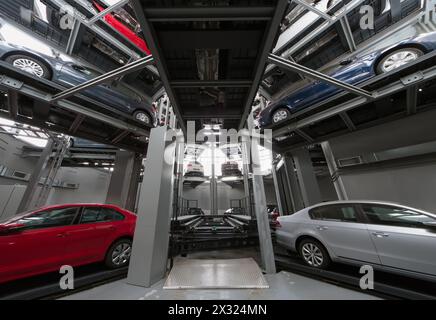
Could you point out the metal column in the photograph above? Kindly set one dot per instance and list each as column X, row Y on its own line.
column 293, row 185
column 260, row 208
column 35, row 178
column 333, row 168
column 124, row 180
column 148, row 263
column 246, row 171
column 276, row 189
column 306, row 177
column 213, row 193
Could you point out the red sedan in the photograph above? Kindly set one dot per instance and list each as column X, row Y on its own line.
column 72, row 234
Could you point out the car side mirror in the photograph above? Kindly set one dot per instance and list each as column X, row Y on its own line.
column 346, row 62
column 11, row 228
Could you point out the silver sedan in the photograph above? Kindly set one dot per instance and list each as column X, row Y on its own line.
column 388, row 236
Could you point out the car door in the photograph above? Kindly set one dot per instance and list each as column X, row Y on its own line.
column 402, row 239
column 92, row 235
column 39, row 245
column 343, row 230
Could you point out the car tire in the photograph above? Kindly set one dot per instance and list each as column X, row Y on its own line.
column 392, row 61
column 280, row 115
column 29, row 64
column 118, row 255
column 142, row 117
column 314, row 254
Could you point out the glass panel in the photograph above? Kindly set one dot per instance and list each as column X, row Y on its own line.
column 335, row 213
column 50, row 218
column 395, row 216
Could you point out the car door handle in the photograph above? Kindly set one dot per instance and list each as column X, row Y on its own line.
column 380, row 234
column 61, row 235
column 321, row 228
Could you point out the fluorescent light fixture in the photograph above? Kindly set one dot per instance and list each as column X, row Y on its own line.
column 227, row 179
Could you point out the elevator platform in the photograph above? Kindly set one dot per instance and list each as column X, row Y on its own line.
column 216, row 274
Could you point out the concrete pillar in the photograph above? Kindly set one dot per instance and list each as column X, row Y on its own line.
column 36, row 176
column 148, row 262
column 306, row 177
column 124, row 180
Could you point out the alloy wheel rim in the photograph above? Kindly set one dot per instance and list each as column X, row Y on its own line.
column 142, row 117
column 312, row 254
column 121, row 254
column 29, row 66
column 280, row 115
column 399, row 59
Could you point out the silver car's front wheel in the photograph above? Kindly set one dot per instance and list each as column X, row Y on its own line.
column 397, row 59
column 314, row 254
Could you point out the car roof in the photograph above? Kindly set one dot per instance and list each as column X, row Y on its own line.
column 364, row 202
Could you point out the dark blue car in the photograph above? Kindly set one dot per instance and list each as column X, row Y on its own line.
column 67, row 73
column 353, row 71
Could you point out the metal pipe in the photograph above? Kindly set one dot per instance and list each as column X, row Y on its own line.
column 109, row 9
column 104, row 78
column 286, row 64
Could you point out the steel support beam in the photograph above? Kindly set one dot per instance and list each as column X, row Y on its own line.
column 35, row 178
column 348, row 33
column 333, row 169
column 218, row 83
column 260, row 208
column 289, row 65
column 13, row 103
column 135, row 65
column 412, row 100
column 314, row 9
column 347, row 120
column 148, row 263
column 269, row 40
column 292, row 183
column 108, row 10
column 209, row 14
column 277, row 190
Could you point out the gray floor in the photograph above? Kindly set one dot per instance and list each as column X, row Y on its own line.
column 282, row 286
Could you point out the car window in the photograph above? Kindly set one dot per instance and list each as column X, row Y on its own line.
column 49, row 218
column 98, row 214
column 334, row 213
column 395, row 216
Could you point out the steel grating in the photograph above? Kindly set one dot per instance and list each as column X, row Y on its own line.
column 216, row 274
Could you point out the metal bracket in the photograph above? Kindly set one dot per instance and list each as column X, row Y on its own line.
column 410, row 79
column 10, row 83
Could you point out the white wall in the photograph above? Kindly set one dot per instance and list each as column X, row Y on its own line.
column 93, row 186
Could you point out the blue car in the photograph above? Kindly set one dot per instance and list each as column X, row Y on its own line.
column 67, row 73
column 353, row 71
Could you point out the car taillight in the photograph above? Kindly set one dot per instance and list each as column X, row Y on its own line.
column 277, row 224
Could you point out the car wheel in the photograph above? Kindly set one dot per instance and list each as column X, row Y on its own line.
column 314, row 254
column 30, row 65
column 280, row 115
column 118, row 254
column 142, row 116
column 398, row 58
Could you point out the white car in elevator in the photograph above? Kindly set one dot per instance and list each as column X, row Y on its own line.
column 388, row 236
